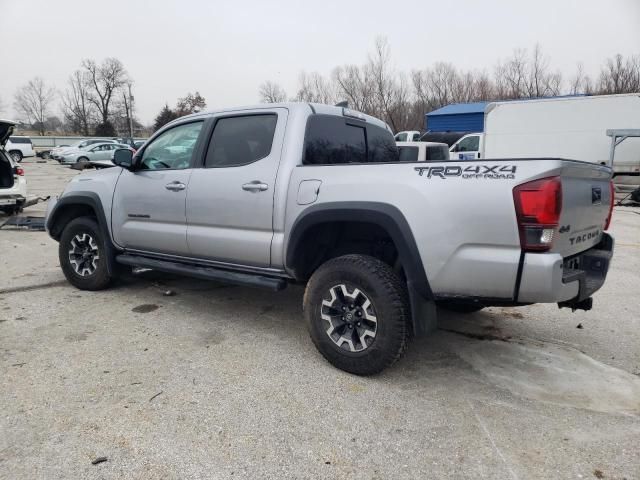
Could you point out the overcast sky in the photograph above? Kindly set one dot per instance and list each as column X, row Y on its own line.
column 225, row 49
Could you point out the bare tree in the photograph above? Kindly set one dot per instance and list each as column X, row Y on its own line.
column 620, row 76
column 105, row 80
column 353, row 86
column 78, row 110
column 33, row 101
column 313, row 87
column 271, row 92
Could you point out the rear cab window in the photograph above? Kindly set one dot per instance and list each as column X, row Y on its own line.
column 408, row 154
column 331, row 140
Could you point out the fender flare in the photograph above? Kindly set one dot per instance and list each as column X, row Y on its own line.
column 85, row 199
column 391, row 219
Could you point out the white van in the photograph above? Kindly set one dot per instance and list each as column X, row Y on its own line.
column 569, row 127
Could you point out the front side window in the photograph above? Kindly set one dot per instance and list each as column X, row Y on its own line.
column 401, row 137
column 173, row 149
column 416, row 137
column 469, row 144
column 241, row 140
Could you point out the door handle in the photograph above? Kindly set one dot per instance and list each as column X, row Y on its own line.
column 175, row 186
column 255, row 186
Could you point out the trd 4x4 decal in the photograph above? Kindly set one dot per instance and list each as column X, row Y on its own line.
column 494, row 172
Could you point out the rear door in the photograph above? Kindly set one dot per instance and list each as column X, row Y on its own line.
column 230, row 199
column 148, row 210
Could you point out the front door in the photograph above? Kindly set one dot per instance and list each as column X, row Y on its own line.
column 467, row 148
column 230, row 200
column 148, row 210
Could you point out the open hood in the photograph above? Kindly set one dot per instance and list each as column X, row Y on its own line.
column 6, row 129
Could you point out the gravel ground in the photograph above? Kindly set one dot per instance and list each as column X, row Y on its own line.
column 223, row 382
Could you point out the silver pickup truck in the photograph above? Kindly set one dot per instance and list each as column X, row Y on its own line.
column 316, row 195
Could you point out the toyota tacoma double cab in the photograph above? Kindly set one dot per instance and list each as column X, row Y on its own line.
column 316, row 195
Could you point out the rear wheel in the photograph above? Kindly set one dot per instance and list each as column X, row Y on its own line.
column 357, row 313
column 83, row 255
column 16, row 156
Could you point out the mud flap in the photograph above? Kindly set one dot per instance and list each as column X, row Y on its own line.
column 424, row 316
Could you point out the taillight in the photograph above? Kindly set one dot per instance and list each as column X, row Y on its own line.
column 538, row 206
column 612, row 200
column 19, row 171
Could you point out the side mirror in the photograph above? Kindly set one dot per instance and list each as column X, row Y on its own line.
column 123, row 157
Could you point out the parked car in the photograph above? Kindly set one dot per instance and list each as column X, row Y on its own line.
column 13, row 184
column 58, row 152
column 407, row 136
column 19, row 148
column 137, row 144
column 90, row 153
column 325, row 203
column 422, row 151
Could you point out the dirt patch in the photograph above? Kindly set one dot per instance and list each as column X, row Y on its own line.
column 145, row 308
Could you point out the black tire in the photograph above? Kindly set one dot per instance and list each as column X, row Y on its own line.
column 93, row 275
column 389, row 304
column 16, row 155
column 460, row 307
column 82, row 159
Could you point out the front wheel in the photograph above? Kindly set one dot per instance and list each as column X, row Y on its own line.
column 83, row 255
column 356, row 310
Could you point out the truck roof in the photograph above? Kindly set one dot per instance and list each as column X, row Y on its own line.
column 319, row 108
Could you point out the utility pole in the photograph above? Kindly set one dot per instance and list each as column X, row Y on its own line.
column 130, row 112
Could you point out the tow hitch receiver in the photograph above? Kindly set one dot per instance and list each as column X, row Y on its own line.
column 586, row 304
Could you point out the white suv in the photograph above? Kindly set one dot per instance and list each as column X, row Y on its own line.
column 19, row 148
column 13, row 185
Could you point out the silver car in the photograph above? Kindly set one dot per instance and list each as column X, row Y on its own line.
column 96, row 152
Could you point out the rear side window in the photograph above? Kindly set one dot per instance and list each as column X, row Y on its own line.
column 241, row 140
column 20, row 140
column 408, row 154
column 438, row 152
column 333, row 140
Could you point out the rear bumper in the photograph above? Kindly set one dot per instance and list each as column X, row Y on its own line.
column 11, row 199
column 550, row 278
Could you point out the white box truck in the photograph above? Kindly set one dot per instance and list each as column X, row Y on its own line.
column 562, row 127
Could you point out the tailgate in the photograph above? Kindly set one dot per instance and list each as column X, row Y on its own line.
column 586, row 197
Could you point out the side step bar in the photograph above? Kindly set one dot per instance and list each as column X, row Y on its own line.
column 205, row 273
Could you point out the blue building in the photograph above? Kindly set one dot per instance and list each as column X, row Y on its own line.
column 457, row 117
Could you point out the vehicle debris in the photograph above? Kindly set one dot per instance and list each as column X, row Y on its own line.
column 20, row 222
column 98, row 460
column 156, row 395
